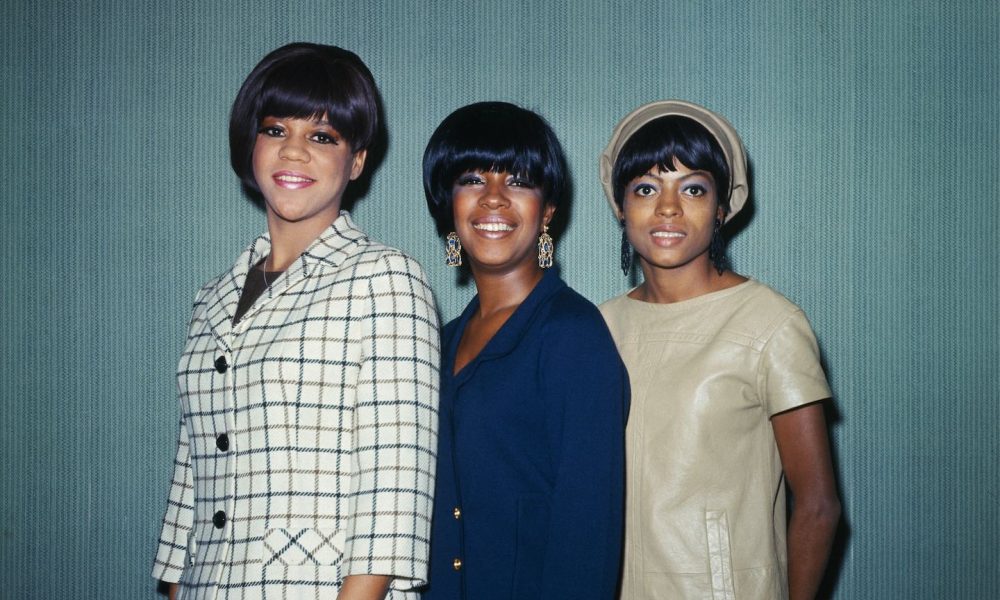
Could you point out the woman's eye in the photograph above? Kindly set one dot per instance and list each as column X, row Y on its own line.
column 324, row 138
column 695, row 190
column 469, row 179
column 272, row 131
column 643, row 189
column 520, row 182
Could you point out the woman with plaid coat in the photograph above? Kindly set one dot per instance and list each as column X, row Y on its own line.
column 309, row 382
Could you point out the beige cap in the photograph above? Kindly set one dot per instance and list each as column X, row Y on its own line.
column 720, row 128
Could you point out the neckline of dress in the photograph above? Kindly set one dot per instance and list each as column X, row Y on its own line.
column 682, row 304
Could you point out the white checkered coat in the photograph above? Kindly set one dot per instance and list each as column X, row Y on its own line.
column 326, row 392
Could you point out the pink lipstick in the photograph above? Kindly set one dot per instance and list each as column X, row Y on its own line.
column 290, row 180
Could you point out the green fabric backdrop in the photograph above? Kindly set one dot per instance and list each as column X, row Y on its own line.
column 873, row 131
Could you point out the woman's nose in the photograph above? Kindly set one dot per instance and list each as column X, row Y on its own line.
column 668, row 204
column 293, row 149
column 494, row 195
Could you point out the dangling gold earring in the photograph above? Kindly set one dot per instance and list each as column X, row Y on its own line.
column 546, row 248
column 453, row 250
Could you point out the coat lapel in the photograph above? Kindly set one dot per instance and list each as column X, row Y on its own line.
column 221, row 306
column 341, row 239
column 507, row 338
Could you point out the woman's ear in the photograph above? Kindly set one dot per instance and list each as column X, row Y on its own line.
column 547, row 213
column 359, row 164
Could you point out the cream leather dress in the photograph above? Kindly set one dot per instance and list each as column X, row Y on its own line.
column 705, row 497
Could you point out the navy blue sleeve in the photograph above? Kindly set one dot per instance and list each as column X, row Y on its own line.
column 587, row 395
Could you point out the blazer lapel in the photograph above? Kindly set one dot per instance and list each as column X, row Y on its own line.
column 338, row 241
column 507, row 338
column 226, row 296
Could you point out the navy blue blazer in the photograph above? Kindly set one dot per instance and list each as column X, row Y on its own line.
column 530, row 469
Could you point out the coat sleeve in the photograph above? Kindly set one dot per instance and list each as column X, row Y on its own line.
column 587, row 392
column 178, row 521
column 171, row 553
column 388, row 528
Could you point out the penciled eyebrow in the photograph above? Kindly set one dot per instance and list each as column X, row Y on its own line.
column 314, row 122
column 655, row 173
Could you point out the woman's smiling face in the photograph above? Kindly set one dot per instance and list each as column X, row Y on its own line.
column 670, row 217
column 498, row 217
column 302, row 167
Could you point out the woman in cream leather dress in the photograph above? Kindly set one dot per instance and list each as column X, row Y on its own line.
column 726, row 380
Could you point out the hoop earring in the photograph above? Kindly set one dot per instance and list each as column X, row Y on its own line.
column 546, row 248
column 626, row 256
column 453, row 250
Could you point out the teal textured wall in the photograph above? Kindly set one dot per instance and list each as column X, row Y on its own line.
column 874, row 133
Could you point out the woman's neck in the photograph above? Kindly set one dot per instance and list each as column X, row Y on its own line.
column 504, row 291
column 290, row 239
column 666, row 286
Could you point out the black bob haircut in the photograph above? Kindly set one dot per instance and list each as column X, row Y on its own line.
column 660, row 142
column 497, row 137
column 304, row 81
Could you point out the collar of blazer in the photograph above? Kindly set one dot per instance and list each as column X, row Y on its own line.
column 339, row 241
column 511, row 332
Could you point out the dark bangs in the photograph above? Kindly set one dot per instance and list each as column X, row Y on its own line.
column 491, row 136
column 669, row 138
column 313, row 89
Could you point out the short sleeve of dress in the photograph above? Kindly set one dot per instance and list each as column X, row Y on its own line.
column 790, row 371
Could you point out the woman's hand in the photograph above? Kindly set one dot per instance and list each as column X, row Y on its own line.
column 805, row 456
column 364, row 587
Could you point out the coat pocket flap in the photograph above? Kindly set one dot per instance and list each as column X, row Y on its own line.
column 295, row 547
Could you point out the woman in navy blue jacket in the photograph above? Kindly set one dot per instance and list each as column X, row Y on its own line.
column 530, row 468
